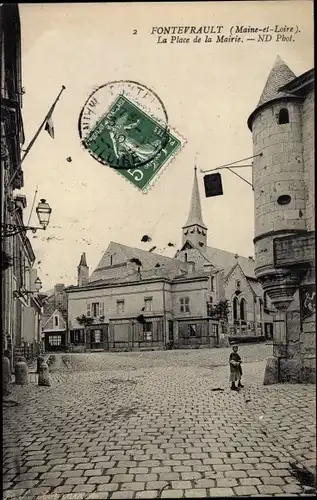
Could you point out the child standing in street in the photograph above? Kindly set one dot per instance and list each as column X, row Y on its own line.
column 235, row 369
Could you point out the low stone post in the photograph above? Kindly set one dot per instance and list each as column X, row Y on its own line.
column 39, row 361
column 21, row 372
column 6, row 375
column 44, row 376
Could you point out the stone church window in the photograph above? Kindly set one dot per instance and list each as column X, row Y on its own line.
column 283, row 116
column 243, row 310
column 235, row 308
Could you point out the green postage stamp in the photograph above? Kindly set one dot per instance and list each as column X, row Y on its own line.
column 132, row 136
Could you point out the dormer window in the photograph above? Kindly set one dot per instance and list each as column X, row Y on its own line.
column 283, row 116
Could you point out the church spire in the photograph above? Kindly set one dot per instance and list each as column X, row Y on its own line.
column 195, row 215
column 195, row 231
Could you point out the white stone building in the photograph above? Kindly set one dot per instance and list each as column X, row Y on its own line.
column 136, row 298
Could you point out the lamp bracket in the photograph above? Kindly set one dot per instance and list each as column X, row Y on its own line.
column 12, row 229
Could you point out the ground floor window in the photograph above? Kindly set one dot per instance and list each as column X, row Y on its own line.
column 96, row 336
column 214, row 329
column 55, row 339
column 192, row 330
column 77, row 337
column 148, row 331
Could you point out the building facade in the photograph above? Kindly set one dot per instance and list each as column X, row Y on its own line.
column 137, row 299
column 54, row 331
column 12, row 137
column 282, row 127
column 20, row 304
column 26, row 302
column 250, row 315
column 144, row 307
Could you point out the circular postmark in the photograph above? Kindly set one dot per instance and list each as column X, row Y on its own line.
column 124, row 125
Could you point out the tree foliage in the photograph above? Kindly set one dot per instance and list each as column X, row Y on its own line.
column 84, row 320
column 220, row 310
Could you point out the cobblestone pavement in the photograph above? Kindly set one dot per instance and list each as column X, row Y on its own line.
column 157, row 425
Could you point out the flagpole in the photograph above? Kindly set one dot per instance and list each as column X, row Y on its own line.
column 42, row 124
column 38, row 131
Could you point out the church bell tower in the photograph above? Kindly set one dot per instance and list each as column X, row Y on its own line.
column 195, row 231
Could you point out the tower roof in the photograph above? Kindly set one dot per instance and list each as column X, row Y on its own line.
column 279, row 76
column 83, row 261
column 195, row 215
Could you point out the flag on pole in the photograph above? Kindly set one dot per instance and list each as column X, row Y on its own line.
column 49, row 126
column 47, row 123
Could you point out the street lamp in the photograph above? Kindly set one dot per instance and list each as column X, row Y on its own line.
column 38, row 284
column 21, row 292
column 43, row 211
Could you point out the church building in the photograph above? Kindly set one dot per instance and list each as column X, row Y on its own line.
column 139, row 299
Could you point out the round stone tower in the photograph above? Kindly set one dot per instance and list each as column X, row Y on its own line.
column 280, row 193
column 278, row 180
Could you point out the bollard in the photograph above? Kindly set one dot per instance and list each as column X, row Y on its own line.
column 39, row 361
column 44, row 376
column 21, row 372
column 6, row 375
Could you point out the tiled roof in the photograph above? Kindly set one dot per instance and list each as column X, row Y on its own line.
column 279, row 75
column 227, row 260
column 256, row 287
column 168, row 266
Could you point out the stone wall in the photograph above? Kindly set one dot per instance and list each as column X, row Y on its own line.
column 308, row 157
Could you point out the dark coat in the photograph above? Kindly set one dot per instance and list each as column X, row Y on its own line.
column 235, row 367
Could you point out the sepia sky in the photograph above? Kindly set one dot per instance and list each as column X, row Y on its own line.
column 209, row 90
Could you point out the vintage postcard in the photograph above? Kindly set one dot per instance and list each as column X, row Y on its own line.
column 158, row 249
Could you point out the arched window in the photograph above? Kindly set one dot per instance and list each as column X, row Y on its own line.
column 235, row 308
column 242, row 310
column 283, row 116
column 111, row 260
column 185, row 256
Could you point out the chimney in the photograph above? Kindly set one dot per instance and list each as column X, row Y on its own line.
column 83, row 271
column 208, row 267
column 59, row 288
column 191, row 267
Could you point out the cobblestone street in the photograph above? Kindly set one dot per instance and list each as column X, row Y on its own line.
column 157, row 425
